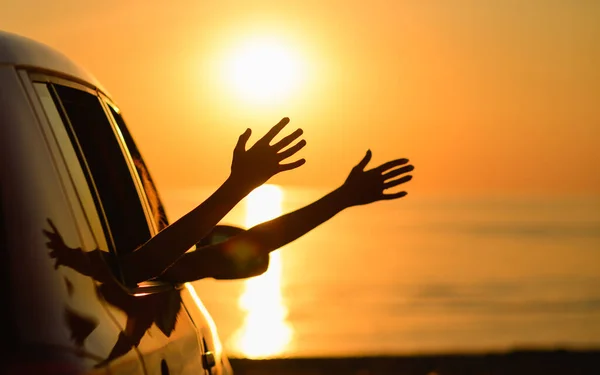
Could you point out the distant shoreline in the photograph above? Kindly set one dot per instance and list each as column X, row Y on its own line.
column 530, row 362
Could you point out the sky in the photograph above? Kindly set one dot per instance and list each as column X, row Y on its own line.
column 484, row 97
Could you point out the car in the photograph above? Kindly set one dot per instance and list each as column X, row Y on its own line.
column 75, row 196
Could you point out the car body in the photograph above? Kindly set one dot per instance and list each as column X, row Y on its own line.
column 69, row 167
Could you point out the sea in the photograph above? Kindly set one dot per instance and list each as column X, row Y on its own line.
column 419, row 275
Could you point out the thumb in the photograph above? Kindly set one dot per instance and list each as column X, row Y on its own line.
column 241, row 143
column 363, row 163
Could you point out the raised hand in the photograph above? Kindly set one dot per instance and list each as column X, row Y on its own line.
column 58, row 250
column 367, row 186
column 256, row 165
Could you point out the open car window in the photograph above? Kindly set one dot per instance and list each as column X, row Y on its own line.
column 108, row 170
column 155, row 203
column 108, row 178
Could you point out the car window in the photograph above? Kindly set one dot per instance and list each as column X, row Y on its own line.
column 75, row 173
column 154, row 201
column 108, row 170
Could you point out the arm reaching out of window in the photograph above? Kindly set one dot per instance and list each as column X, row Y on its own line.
column 246, row 254
column 250, row 168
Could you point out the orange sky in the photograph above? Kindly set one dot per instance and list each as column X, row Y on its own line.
column 483, row 96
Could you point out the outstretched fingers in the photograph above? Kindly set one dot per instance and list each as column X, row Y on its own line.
column 242, row 141
column 288, row 140
column 390, row 164
column 292, row 150
column 397, row 172
column 388, row 197
column 363, row 163
column 52, row 225
column 388, row 177
column 293, row 165
column 267, row 138
column 52, row 235
column 396, row 182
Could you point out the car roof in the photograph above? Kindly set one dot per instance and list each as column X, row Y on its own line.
column 20, row 51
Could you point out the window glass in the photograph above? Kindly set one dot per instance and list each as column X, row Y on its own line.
column 75, row 172
column 154, row 201
column 109, row 170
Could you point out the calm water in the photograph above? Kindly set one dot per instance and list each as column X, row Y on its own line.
column 416, row 275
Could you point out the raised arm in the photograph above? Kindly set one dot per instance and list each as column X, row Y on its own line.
column 250, row 168
column 247, row 253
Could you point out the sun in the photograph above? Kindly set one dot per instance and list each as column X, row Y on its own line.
column 264, row 70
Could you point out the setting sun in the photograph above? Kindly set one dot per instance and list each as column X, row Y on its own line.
column 263, row 70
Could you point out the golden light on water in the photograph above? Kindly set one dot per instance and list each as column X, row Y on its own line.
column 265, row 331
column 208, row 319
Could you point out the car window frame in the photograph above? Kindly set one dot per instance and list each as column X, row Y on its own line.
column 142, row 288
column 107, row 103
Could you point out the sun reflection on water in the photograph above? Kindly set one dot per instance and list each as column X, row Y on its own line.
column 265, row 331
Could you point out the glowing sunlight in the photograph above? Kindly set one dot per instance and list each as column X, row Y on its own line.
column 265, row 331
column 263, row 70
column 209, row 321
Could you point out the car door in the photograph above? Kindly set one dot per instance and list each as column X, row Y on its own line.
column 61, row 323
column 195, row 314
column 152, row 322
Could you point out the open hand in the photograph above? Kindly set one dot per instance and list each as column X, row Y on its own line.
column 58, row 250
column 253, row 167
column 367, row 186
